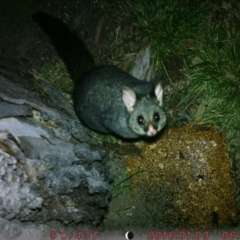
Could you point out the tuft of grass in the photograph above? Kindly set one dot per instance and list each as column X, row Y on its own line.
column 169, row 25
column 205, row 35
column 214, row 73
column 119, row 187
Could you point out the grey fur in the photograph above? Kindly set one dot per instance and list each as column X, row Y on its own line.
column 99, row 104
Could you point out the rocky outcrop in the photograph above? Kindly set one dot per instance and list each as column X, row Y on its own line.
column 51, row 168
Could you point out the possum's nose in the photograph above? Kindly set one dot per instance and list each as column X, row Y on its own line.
column 151, row 130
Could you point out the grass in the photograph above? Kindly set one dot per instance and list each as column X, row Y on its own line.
column 57, row 74
column 215, row 86
column 215, row 73
column 168, row 25
column 119, row 187
column 205, row 35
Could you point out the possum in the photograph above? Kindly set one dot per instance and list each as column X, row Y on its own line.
column 106, row 99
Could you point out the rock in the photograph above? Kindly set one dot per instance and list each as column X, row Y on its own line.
column 143, row 68
column 51, row 168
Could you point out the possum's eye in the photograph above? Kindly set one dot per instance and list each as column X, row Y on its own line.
column 140, row 120
column 156, row 117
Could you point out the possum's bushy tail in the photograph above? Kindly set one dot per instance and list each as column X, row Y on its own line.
column 68, row 45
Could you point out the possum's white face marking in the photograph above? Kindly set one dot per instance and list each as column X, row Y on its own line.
column 146, row 115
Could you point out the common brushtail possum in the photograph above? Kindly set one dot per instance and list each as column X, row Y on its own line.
column 106, row 99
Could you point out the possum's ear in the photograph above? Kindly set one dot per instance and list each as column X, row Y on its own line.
column 129, row 98
column 159, row 93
